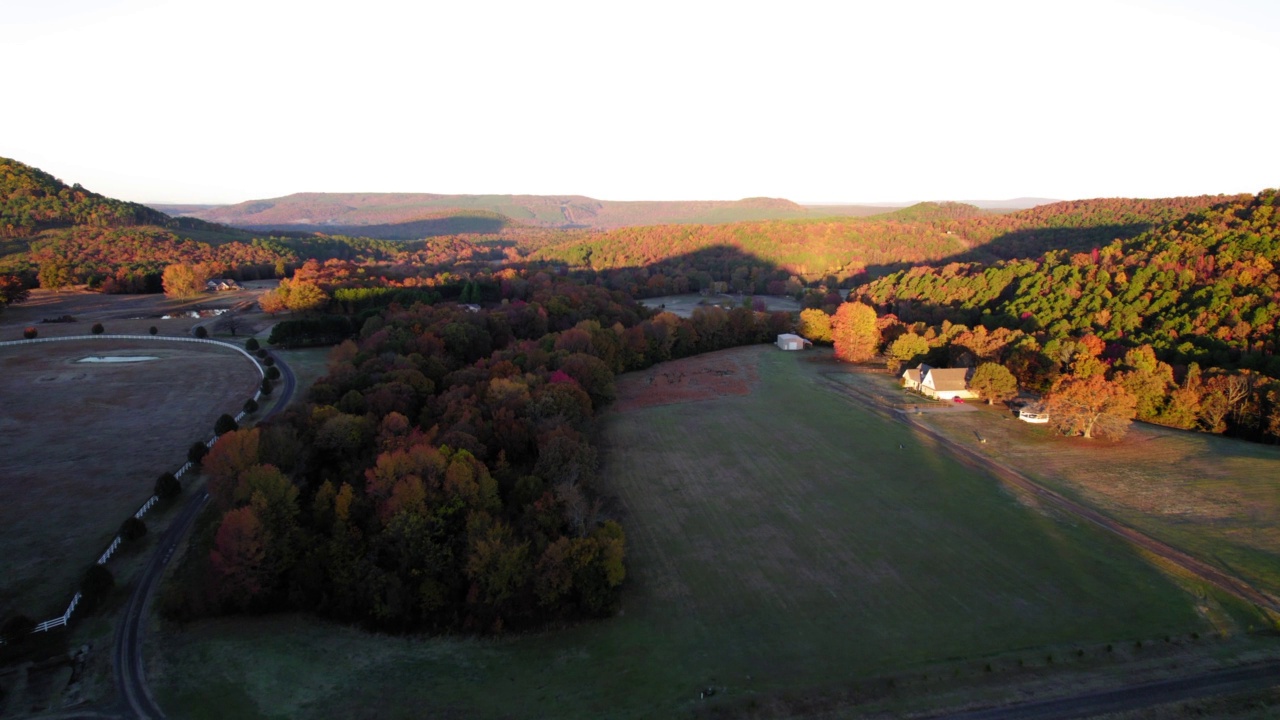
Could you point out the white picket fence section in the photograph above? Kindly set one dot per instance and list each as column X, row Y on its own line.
column 115, row 543
column 62, row 619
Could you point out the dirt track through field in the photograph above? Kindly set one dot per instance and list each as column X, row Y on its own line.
column 1204, row 571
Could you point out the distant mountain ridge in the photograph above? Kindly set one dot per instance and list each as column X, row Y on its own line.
column 354, row 213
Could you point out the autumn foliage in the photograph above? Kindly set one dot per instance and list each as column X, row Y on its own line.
column 443, row 474
column 857, row 339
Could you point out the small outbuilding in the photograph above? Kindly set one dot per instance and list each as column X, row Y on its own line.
column 789, row 341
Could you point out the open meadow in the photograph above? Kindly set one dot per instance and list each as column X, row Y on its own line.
column 790, row 552
column 1214, row 497
column 84, row 443
column 684, row 305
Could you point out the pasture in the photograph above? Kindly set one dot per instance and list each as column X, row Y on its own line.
column 84, row 443
column 684, row 305
column 787, row 549
column 1214, row 497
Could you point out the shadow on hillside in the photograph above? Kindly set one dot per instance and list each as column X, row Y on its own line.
column 1029, row 243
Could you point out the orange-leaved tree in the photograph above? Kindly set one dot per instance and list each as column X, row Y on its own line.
column 855, row 333
column 1091, row 406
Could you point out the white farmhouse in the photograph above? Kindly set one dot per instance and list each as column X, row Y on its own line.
column 939, row 383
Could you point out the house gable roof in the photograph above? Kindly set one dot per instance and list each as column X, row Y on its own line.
column 916, row 374
column 948, row 378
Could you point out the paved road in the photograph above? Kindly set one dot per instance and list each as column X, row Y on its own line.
column 130, row 673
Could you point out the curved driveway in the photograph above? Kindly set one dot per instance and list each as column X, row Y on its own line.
column 126, row 655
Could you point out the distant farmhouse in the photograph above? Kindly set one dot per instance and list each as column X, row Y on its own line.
column 787, row 341
column 939, row 383
column 221, row 285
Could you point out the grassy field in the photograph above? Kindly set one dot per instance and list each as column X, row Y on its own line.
column 787, row 549
column 1217, row 498
column 83, row 444
column 684, row 305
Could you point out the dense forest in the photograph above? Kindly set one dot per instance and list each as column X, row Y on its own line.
column 442, row 474
column 58, row 236
column 31, row 200
column 1191, row 306
column 844, row 251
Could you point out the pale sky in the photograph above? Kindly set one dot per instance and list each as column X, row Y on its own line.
column 234, row 100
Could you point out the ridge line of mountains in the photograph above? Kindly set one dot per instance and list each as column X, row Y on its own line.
column 402, row 216
column 58, row 235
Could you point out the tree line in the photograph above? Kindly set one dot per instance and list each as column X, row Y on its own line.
column 1176, row 326
column 443, row 474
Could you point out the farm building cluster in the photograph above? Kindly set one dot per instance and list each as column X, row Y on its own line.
column 222, row 285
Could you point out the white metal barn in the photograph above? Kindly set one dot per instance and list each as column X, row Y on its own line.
column 788, row 341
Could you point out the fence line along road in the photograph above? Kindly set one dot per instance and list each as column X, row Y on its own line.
column 65, row 617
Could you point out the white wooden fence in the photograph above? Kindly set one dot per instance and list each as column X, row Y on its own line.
column 115, row 543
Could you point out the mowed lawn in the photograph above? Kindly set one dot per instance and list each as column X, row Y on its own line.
column 779, row 542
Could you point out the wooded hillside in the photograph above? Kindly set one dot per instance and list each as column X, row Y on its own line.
column 839, row 250
column 1200, row 289
column 32, row 200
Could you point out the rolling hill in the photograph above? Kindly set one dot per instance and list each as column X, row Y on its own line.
column 406, row 216
column 816, row 249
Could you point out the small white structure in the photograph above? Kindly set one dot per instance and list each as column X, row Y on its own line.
column 1035, row 414
column 939, row 383
column 788, row 341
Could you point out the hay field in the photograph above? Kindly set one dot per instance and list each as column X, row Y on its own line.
column 84, row 443
column 786, row 547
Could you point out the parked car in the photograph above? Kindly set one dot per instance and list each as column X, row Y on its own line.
column 959, row 400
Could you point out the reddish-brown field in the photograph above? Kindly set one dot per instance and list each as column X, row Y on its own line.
column 705, row 377
column 84, row 442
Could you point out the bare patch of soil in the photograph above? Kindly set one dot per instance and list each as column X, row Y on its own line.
column 705, row 377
